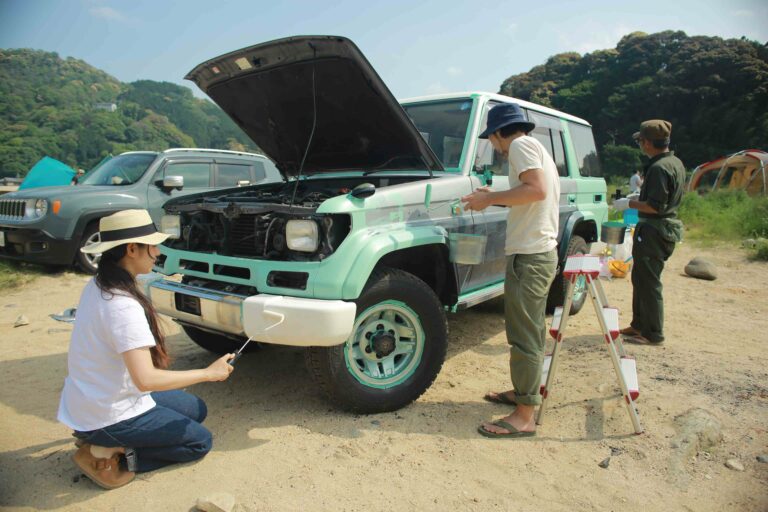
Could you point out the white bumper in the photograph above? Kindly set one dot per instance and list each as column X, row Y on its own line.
column 265, row 318
column 298, row 322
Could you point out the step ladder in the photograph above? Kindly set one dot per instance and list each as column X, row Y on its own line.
column 588, row 267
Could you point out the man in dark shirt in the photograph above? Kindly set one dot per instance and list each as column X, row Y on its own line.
column 657, row 231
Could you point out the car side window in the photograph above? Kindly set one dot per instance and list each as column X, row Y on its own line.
column 195, row 174
column 586, row 152
column 230, row 175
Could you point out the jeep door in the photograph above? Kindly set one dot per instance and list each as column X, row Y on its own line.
column 197, row 174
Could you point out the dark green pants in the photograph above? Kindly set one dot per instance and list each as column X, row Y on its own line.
column 526, row 286
column 649, row 252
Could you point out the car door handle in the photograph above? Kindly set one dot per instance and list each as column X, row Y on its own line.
column 571, row 198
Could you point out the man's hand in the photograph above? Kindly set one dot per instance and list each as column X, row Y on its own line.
column 621, row 204
column 478, row 200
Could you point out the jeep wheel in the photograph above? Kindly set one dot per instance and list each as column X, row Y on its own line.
column 395, row 351
column 217, row 343
column 556, row 297
column 89, row 263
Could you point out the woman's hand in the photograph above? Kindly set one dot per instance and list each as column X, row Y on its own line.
column 220, row 369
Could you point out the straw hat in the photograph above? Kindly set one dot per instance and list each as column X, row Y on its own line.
column 127, row 226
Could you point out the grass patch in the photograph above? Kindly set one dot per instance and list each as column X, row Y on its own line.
column 726, row 216
column 14, row 275
column 761, row 251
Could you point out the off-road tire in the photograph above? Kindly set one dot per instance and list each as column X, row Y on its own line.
column 556, row 297
column 385, row 287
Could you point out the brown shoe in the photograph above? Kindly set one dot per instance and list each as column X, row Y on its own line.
column 106, row 473
column 629, row 331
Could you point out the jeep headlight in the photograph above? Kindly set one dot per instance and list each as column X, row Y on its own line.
column 35, row 208
column 171, row 225
column 302, row 235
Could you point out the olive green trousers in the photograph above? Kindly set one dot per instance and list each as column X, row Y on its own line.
column 526, row 286
column 649, row 252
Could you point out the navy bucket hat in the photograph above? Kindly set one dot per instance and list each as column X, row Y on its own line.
column 503, row 115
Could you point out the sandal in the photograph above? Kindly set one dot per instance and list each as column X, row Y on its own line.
column 106, row 473
column 511, row 431
column 499, row 398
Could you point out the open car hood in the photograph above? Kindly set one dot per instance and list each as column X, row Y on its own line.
column 277, row 92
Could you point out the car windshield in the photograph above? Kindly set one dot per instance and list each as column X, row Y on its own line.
column 120, row 170
column 443, row 124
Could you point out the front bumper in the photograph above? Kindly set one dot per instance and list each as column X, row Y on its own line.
column 36, row 246
column 265, row 318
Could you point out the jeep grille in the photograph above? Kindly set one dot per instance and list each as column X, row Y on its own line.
column 12, row 209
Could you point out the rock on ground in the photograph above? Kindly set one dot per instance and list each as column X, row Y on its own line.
column 701, row 269
column 697, row 430
column 734, row 464
column 218, row 502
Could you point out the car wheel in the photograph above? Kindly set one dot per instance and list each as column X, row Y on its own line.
column 556, row 297
column 217, row 343
column 396, row 349
column 89, row 263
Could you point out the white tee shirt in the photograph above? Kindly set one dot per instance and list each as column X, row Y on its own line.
column 532, row 227
column 99, row 391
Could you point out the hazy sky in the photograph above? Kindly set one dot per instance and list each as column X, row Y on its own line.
column 417, row 46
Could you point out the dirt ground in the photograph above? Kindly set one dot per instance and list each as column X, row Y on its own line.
column 280, row 446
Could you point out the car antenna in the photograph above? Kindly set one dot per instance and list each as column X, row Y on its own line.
column 311, row 133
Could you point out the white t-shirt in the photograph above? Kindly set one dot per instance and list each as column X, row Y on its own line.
column 635, row 182
column 532, row 227
column 99, row 391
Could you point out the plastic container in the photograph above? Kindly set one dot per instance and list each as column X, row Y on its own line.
column 466, row 248
column 630, row 217
column 612, row 233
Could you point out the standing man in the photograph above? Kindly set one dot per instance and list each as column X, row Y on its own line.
column 531, row 241
column 657, row 231
column 635, row 182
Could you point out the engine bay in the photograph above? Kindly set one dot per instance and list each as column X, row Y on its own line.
column 252, row 221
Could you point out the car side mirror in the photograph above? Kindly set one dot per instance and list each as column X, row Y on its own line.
column 173, row 182
column 487, row 175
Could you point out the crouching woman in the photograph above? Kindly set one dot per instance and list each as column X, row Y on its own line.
column 126, row 408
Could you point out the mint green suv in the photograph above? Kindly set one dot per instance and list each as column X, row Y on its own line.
column 365, row 248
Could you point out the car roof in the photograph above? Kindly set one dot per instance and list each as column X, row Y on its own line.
column 495, row 97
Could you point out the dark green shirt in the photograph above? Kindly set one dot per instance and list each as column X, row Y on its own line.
column 662, row 189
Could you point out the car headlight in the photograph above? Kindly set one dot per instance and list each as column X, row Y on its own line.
column 302, row 235
column 35, row 208
column 171, row 225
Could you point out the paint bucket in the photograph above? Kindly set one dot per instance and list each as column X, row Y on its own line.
column 466, row 248
column 612, row 233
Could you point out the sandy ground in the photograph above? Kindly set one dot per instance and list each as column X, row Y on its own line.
column 280, row 446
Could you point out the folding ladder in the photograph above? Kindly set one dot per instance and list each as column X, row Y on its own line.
column 608, row 317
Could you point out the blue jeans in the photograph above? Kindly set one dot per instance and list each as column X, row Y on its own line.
column 169, row 432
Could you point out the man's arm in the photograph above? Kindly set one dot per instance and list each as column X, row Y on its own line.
column 531, row 189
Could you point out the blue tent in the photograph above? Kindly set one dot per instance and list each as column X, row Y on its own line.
column 48, row 172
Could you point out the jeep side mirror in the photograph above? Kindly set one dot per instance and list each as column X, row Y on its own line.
column 171, row 182
column 363, row 190
column 487, row 175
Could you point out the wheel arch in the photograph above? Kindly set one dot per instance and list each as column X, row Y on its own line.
column 577, row 224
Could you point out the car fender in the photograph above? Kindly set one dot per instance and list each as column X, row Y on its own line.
column 367, row 247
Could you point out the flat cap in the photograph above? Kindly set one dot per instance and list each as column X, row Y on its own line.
column 654, row 129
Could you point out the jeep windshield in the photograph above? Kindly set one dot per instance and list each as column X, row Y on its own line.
column 120, row 170
column 443, row 124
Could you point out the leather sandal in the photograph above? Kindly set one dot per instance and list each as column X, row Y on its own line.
column 106, row 473
column 629, row 331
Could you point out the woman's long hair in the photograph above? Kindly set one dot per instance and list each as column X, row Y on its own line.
column 111, row 278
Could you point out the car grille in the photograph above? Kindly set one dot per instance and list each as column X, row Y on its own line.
column 12, row 209
column 248, row 233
